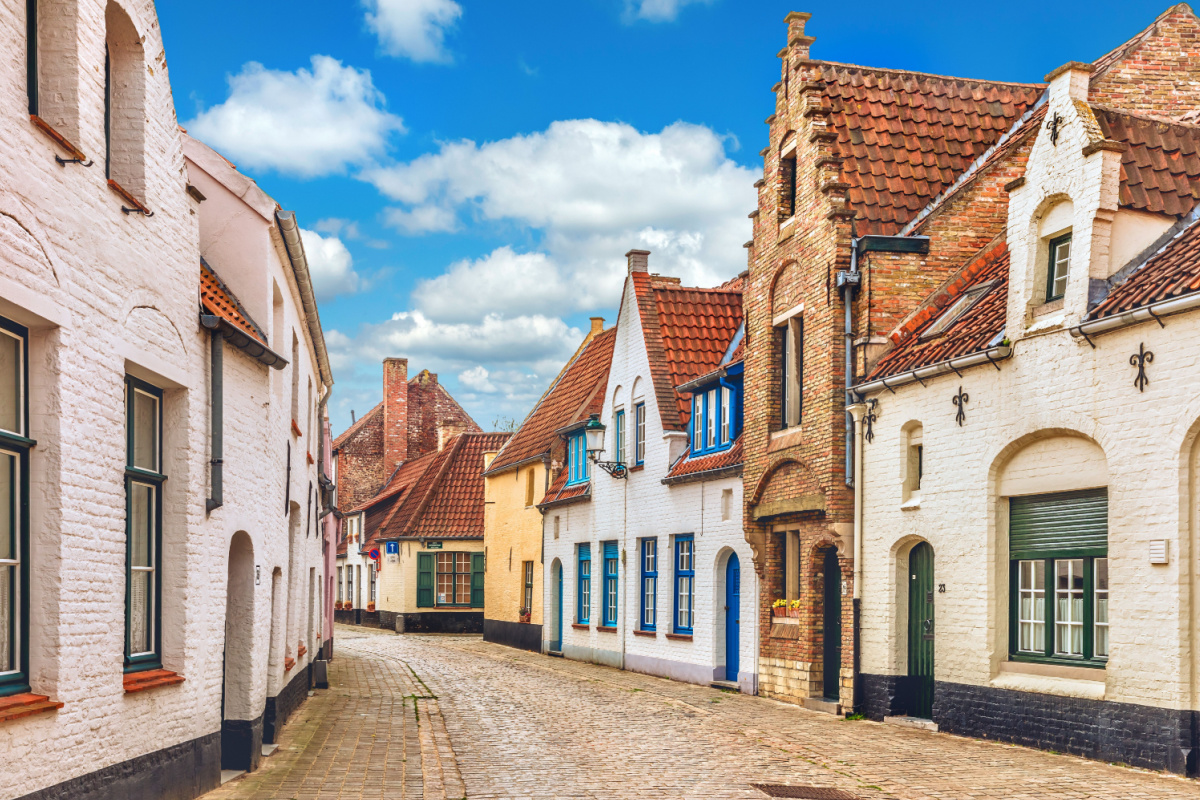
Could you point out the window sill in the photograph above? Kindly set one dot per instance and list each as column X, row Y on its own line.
column 16, row 706
column 786, row 231
column 581, row 626
column 649, row 634
column 301, row 650
column 288, row 663
column 124, row 194
column 637, row 467
column 1048, row 308
column 785, row 631
column 911, row 503
column 679, row 637
column 311, row 460
column 150, row 679
column 296, row 429
column 1053, row 679
column 788, row 437
column 607, row 628
column 57, row 138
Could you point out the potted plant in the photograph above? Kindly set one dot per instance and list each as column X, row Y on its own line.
column 525, row 615
column 371, row 607
column 794, row 608
column 779, row 608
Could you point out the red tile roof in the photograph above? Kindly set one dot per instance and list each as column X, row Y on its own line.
column 687, row 331
column 1171, row 272
column 970, row 333
column 216, row 299
column 1160, row 172
column 578, row 391
column 904, row 136
column 560, row 493
column 693, row 466
column 439, row 495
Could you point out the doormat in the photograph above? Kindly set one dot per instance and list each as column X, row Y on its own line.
column 804, row 792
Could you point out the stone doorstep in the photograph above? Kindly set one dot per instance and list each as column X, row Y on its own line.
column 229, row 774
column 554, row 653
column 268, row 750
column 912, row 722
column 822, row 705
column 730, row 685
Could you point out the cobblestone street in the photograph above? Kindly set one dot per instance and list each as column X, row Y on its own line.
column 449, row 717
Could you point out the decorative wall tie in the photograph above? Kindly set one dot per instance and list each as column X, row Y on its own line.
column 960, row 402
column 1140, row 359
column 869, row 420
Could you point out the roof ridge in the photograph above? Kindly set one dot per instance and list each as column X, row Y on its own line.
column 656, row 353
column 355, row 426
column 917, row 73
column 1105, row 62
column 1146, row 117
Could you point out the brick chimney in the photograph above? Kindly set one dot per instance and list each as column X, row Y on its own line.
column 639, row 260
column 395, row 414
column 597, row 325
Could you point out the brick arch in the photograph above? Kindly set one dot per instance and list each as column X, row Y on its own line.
column 782, row 296
column 786, row 468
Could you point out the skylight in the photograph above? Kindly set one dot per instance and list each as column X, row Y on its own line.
column 956, row 309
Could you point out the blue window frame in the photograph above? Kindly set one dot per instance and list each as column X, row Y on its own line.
column 608, row 613
column 583, row 610
column 577, row 460
column 619, row 433
column 639, row 439
column 649, row 584
column 685, row 583
column 715, row 417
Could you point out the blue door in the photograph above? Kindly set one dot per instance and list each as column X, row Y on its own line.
column 556, row 644
column 733, row 605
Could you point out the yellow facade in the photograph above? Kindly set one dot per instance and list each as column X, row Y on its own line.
column 512, row 537
column 397, row 589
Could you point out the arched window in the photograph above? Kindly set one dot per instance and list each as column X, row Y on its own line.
column 124, row 105
column 1054, row 250
column 52, row 62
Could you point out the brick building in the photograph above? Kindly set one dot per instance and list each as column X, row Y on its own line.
column 853, row 152
column 415, row 420
column 1028, row 473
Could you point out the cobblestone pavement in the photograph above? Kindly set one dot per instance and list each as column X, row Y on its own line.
column 502, row 723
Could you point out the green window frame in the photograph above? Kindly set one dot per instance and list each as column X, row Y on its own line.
column 15, row 445
column 144, row 481
column 458, row 577
column 1059, row 578
column 1058, row 267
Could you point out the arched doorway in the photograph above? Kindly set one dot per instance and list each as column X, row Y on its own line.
column 920, row 630
column 832, row 619
column 241, row 744
column 733, row 614
column 556, row 608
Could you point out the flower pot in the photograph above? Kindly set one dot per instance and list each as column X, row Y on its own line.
column 793, row 612
column 370, row 607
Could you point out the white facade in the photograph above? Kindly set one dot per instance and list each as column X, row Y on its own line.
column 1057, row 416
column 641, row 507
column 107, row 296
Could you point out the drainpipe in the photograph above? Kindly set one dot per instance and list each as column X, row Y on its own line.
column 857, row 410
column 217, row 403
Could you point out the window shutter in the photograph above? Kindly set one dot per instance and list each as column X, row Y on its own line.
column 424, row 580
column 610, row 550
column 1066, row 524
column 477, row 580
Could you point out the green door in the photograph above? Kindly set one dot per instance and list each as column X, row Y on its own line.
column 832, row 667
column 920, row 630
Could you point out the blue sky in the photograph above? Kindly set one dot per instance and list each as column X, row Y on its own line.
column 469, row 174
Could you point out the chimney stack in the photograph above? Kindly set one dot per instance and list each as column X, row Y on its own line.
column 395, row 413
column 447, row 431
column 597, row 325
column 639, row 260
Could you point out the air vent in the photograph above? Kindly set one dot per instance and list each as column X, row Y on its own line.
column 804, row 792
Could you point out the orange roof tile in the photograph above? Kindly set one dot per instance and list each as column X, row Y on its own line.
column 578, row 391
column 1171, row 272
column 559, row 493
column 1160, row 172
column 700, row 464
column 217, row 300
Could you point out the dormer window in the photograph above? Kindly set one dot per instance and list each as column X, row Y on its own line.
column 956, row 309
column 1058, row 267
column 577, row 460
column 715, row 417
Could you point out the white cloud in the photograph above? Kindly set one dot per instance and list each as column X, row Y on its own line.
column 593, row 189
column 305, row 123
column 477, row 378
column 414, row 29
column 656, row 10
column 349, row 229
column 502, row 282
column 331, row 266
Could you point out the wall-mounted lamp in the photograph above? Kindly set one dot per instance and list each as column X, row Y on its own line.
column 594, row 431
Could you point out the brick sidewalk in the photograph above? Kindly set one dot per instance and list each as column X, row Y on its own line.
column 501, row 723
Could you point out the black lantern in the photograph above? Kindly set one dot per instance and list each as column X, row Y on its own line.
column 594, row 431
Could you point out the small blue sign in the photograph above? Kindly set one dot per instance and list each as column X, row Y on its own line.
column 393, row 548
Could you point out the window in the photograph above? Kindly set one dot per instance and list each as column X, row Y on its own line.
column 787, row 179
column 608, row 616
column 959, row 307
column 358, row 582
column 124, row 104
column 619, row 435
column 639, row 441
column 528, row 487
column 453, row 579
column 583, row 611
column 914, row 463
column 52, row 66
column 1059, row 549
column 790, row 550
column 527, row 595
column 685, row 589
column 577, row 460
column 371, row 574
column 339, row 584
column 649, row 583
column 713, row 419
column 143, row 524
column 14, row 507
column 791, row 360
column 350, row 585
column 726, row 414
column 1058, row 267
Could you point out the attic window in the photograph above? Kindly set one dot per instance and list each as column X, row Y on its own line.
column 1058, row 268
column 959, row 307
column 787, row 178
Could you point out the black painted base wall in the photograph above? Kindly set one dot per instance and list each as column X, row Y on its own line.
column 350, row 616
column 444, row 622
column 281, row 706
column 370, row 619
column 241, row 743
column 327, row 650
column 521, row 635
column 1141, row 736
column 181, row 772
column 387, row 620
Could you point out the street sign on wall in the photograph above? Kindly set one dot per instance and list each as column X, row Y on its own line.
column 433, row 545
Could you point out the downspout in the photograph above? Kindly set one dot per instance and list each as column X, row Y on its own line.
column 857, row 410
column 217, row 412
column 849, row 283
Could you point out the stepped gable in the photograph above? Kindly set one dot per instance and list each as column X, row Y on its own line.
column 972, row 332
column 1171, row 272
column 904, row 137
column 567, row 401
column 1160, row 170
column 687, row 331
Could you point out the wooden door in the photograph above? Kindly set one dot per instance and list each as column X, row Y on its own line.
column 920, row 630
